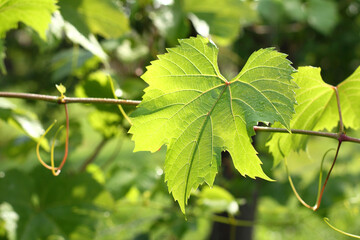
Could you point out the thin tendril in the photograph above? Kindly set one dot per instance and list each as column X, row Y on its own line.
column 66, row 141
column 326, row 220
column 52, row 154
column 52, row 167
column 320, row 174
column 119, row 106
column 293, row 187
column 317, row 205
column 320, row 190
column 38, row 148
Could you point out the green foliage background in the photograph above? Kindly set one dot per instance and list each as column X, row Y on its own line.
column 121, row 194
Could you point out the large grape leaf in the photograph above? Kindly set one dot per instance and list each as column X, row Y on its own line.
column 36, row 14
column 197, row 113
column 317, row 109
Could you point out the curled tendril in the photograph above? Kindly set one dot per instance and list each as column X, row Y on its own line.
column 326, row 220
column 320, row 189
column 55, row 170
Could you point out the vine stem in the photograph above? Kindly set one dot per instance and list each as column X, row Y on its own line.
column 64, row 100
column 56, row 99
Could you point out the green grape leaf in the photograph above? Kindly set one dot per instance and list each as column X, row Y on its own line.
column 223, row 19
column 36, row 14
column 317, row 109
column 197, row 113
column 314, row 99
column 93, row 16
column 349, row 93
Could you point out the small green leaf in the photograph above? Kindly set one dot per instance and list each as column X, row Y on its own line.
column 317, row 109
column 61, row 89
column 197, row 113
column 36, row 14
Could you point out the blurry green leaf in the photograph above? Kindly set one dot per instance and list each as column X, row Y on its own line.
column 131, row 220
column 58, row 207
column 2, row 57
column 218, row 200
column 141, row 170
column 132, row 88
column 96, row 173
column 5, row 109
column 10, row 217
column 106, row 123
column 23, row 120
column 89, row 42
column 295, row 9
column 131, row 51
column 29, row 124
column 188, row 101
column 97, row 85
column 322, row 15
column 107, row 119
column 171, row 22
column 67, row 62
column 279, row 222
column 200, row 229
column 272, row 10
column 133, row 195
column 36, row 14
column 93, row 16
column 224, row 19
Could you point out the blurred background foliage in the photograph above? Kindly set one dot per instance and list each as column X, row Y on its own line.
column 108, row 192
